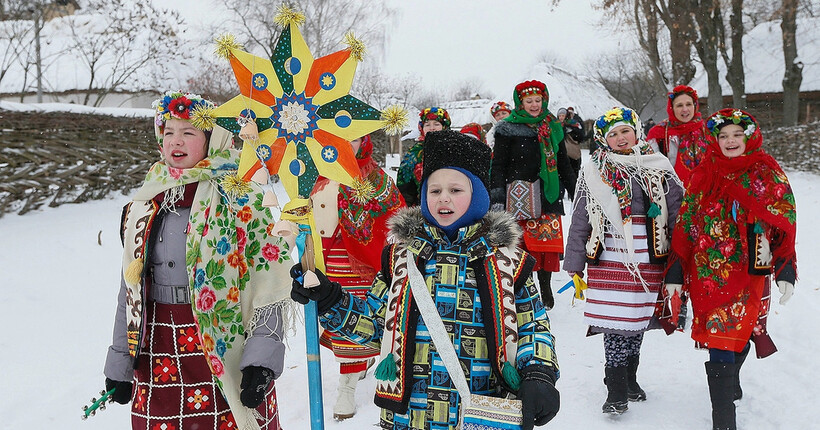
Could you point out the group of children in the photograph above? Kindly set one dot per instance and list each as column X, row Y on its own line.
column 698, row 209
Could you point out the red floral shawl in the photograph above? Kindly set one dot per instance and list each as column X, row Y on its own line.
column 725, row 198
column 364, row 224
column 693, row 142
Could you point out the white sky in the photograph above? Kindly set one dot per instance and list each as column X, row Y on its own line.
column 446, row 42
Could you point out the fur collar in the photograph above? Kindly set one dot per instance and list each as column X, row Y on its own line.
column 510, row 129
column 502, row 229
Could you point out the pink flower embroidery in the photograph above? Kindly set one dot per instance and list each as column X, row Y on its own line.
column 174, row 172
column 206, row 299
column 270, row 252
column 241, row 239
column 216, row 365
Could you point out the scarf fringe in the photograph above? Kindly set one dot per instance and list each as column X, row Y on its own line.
column 290, row 319
column 170, row 198
column 651, row 180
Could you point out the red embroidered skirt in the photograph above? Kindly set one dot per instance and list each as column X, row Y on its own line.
column 544, row 240
column 730, row 326
column 174, row 388
column 338, row 268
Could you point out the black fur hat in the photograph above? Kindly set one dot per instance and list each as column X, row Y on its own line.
column 448, row 148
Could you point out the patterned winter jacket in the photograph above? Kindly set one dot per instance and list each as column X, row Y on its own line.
column 471, row 278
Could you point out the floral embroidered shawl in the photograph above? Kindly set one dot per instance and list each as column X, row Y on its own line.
column 235, row 266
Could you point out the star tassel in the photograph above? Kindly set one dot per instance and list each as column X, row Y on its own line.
column 356, row 46
column 225, row 44
column 286, row 16
column 203, row 118
column 363, row 191
column 235, row 186
column 394, row 119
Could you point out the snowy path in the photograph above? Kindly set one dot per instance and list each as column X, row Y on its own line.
column 60, row 288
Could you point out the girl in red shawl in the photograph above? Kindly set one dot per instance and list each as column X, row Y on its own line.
column 736, row 227
column 682, row 137
column 354, row 231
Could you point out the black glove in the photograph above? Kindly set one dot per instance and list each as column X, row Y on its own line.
column 784, row 271
column 326, row 294
column 122, row 392
column 539, row 397
column 255, row 382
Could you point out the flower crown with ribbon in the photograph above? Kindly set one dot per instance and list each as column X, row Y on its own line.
column 616, row 116
column 725, row 117
column 499, row 107
column 435, row 114
column 531, row 88
column 184, row 106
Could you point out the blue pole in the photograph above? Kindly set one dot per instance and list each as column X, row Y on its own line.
column 317, row 419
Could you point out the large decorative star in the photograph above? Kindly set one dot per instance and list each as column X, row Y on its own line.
column 303, row 110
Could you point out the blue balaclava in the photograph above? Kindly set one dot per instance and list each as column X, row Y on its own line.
column 479, row 205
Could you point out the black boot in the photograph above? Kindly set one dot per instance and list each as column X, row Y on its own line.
column 616, row 386
column 721, row 377
column 544, row 278
column 634, row 391
column 740, row 357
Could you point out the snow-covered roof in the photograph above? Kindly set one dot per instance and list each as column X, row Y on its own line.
column 588, row 96
column 763, row 60
column 466, row 111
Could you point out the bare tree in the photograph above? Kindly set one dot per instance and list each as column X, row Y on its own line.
column 329, row 20
column 643, row 17
column 735, row 74
column 425, row 98
column 16, row 37
column 469, row 88
column 628, row 78
column 213, row 79
column 379, row 90
column 116, row 39
column 793, row 76
column 709, row 22
column 677, row 16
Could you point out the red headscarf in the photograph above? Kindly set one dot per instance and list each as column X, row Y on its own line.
column 726, row 198
column 692, row 136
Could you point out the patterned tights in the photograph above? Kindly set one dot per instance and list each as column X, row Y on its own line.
column 619, row 348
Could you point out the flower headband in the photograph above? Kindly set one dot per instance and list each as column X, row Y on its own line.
column 683, row 89
column 500, row 106
column 725, row 117
column 184, row 106
column 435, row 114
column 619, row 116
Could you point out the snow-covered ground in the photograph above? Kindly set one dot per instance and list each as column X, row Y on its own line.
column 60, row 274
